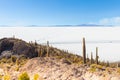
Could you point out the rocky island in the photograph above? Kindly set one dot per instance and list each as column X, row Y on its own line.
column 20, row 60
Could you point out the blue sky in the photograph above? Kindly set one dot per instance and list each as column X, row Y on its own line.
column 59, row 12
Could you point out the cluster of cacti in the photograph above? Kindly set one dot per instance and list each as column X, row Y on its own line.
column 86, row 60
column 41, row 50
column 84, row 54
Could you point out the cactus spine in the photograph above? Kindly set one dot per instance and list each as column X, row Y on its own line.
column 84, row 51
column 97, row 55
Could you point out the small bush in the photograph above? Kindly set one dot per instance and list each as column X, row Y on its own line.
column 94, row 67
column 99, row 67
column 13, row 58
column 36, row 76
column 6, row 77
column 118, row 70
column 108, row 70
column 3, row 60
column 24, row 76
column 16, row 68
column 1, row 76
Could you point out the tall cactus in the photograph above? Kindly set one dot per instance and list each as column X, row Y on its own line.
column 13, row 36
column 47, row 48
column 38, row 50
column 84, row 51
column 35, row 43
column 107, row 64
column 41, row 52
column 87, row 58
column 91, row 58
column 97, row 55
column 118, row 65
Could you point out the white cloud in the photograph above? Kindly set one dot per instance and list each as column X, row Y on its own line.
column 104, row 21
column 110, row 21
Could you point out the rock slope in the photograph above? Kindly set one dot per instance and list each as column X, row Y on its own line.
column 54, row 69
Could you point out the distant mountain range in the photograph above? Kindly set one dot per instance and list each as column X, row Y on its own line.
column 81, row 25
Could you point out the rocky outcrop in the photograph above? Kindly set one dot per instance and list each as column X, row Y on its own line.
column 17, row 47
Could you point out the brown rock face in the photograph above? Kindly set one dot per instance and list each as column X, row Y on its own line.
column 18, row 47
